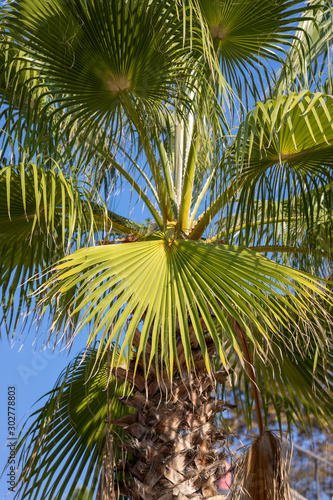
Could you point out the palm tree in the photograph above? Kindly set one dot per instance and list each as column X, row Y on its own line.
column 218, row 116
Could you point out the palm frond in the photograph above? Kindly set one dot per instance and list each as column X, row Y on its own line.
column 61, row 444
column 93, row 55
column 308, row 63
column 166, row 283
column 295, row 381
column 250, row 34
column 284, row 150
column 262, row 472
column 43, row 214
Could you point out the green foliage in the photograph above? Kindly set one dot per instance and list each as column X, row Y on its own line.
column 42, row 213
column 218, row 115
column 62, row 442
column 160, row 282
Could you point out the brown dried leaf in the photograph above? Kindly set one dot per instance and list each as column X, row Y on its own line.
column 125, row 421
column 138, row 380
column 106, row 482
column 209, row 489
column 144, row 490
column 137, row 430
column 166, row 496
column 186, row 488
column 261, row 473
column 139, row 469
column 138, row 401
column 172, row 475
column 178, row 462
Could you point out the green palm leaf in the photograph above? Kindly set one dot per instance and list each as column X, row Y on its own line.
column 42, row 215
column 98, row 55
column 107, row 66
column 247, row 35
column 21, row 87
column 78, row 495
column 166, row 283
column 308, row 61
column 297, row 382
column 61, row 444
column 284, row 150
column 136, row 90
column 287, row 237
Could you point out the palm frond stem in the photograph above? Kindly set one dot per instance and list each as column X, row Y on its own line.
column 164, row 200
column 204, row 220
column 187, row 188
column 288, row 249
column 270, row 220
column 140, row 170
column 249, row 367
column 201, row 196
column 135, row 186
column 167, row 174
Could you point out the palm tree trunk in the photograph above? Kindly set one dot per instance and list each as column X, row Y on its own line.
column 172, row 451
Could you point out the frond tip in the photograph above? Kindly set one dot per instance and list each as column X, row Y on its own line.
column 262, row 472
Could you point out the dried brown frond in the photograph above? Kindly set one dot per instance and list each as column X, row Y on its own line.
column 262, row 472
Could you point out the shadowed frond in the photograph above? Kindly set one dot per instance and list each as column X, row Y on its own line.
column 101, row 59
column 43, row 215
column 61, row 444
column 296, row 380
column 247, row 35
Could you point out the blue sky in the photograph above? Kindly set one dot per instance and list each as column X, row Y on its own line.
column 33, row 372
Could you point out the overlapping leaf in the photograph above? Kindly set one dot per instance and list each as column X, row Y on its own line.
column 251, row 29
column 62, row 442
column 248, row 34
column 286, row 236
column 98, row 56
column 42, row 215
column 298, row 382
column 166, row 284
column 308, row 61
column 106, row 69
column 20, row 88
column 284, row 151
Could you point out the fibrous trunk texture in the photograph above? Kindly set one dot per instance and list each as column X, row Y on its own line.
column 172, row 452
column 106, row 490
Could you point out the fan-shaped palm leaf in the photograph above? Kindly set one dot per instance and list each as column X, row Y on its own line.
column 166, row 283
column 42, row 215
column 62, row 443
column 101, row 57
column 297, row 381
column 247, row 35
column 106, row 64
column 308, row 61
column 285, row 152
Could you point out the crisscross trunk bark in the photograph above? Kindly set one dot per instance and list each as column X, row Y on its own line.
column 172, row 450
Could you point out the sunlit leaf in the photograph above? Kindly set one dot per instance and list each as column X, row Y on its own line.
column 285, row 155
column 43, row 214
column 164, row 283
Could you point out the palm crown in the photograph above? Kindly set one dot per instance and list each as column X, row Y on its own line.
column 213, row 113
